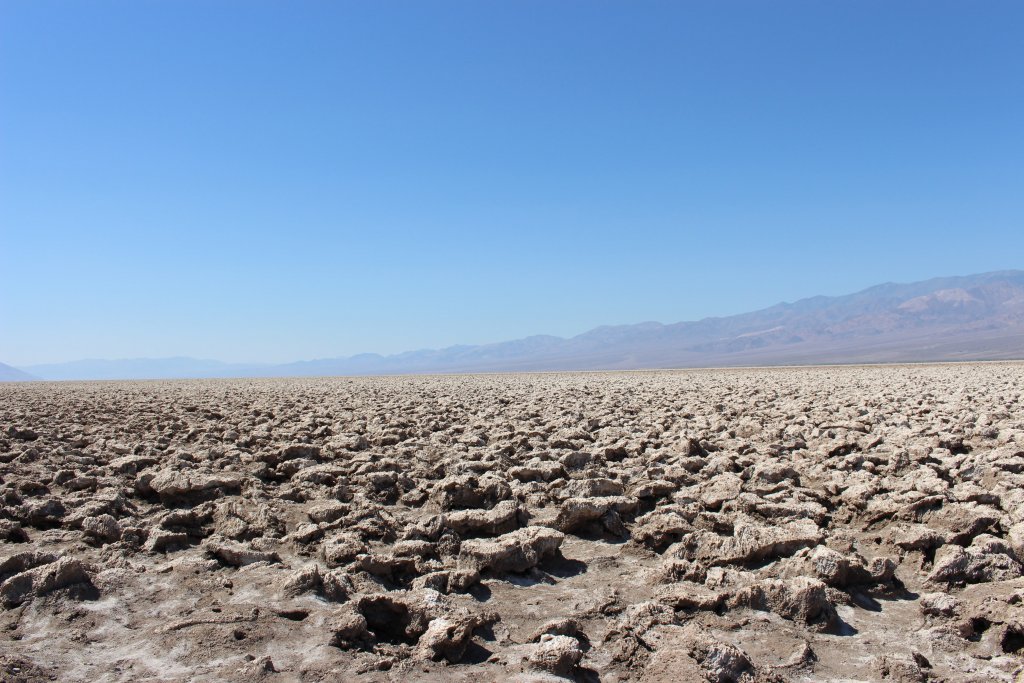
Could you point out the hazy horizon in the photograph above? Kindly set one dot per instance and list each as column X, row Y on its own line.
column 255, row 182
column 963, row 317
column 609, row 324
column 394, row 349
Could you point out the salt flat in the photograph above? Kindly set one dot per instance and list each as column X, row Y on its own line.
column 788, row 524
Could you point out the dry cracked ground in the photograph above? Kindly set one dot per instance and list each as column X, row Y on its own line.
column 814, row 524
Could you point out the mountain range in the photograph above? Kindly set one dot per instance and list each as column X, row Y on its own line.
column 9, row 374
column 972, row 317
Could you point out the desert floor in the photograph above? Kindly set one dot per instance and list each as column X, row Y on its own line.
column 790, row 524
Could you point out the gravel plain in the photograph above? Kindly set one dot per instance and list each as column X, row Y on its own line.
column 861, row 523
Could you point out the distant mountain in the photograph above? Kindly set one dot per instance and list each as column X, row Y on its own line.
column 144, row 368
column 973, row 317
column 9, row 374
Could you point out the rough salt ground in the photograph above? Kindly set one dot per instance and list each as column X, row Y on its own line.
column 857, row 523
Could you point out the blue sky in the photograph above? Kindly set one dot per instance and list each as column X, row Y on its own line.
column 269, row 181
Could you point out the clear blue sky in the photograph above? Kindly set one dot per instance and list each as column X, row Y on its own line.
column 270, row 181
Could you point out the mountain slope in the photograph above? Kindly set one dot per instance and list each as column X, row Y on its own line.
column 142, row 368
column 973, row 317
column 970, row 317
column 9, row 374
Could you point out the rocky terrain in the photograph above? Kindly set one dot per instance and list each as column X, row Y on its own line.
column 812, row 524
